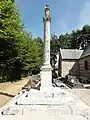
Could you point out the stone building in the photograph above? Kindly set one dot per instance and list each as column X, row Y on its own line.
column 74, row 62
column 68, row 59
column 84, row 64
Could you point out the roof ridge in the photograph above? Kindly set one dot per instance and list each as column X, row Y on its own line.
column 71, row 49
column 71, row 53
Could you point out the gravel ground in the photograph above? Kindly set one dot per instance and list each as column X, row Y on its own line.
column 82, row 94
column 11, row 88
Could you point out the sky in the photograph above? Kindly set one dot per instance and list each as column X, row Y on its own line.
column 66, row 15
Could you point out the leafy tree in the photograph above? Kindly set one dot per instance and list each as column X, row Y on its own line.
column 77, row 39
column 54, row 49
column 21, row 53
column 54, row 44
column 65, row 41
column 30, row 53
column 39, row 47
column 81, row 38
column 10, row 29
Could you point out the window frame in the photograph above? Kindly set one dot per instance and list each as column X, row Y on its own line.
column 86, row 65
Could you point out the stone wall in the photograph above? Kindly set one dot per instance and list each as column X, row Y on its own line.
column 74, row 71
column 66, row 66
column 83, row 72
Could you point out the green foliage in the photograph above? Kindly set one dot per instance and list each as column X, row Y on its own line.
column 81, row 38
column 77, row 39
column 19, row 53
column 31, row 54
column 10, row 29
column 54, row 45
column 64, row 41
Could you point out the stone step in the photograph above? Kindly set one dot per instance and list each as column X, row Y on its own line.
column 49, row 109
column 42, row 117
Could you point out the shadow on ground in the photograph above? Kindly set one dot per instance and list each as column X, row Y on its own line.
column 7, row 94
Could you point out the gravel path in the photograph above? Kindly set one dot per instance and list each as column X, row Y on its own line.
column 82, row 94
column 12, row 89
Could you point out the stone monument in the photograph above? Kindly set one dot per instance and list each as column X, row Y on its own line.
column 53, row 103
column 46, row 69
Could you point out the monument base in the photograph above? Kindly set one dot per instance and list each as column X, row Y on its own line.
column 46, row 77
column 58, row 103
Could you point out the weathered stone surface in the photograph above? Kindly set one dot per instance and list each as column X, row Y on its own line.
column 61, row 103
column 44, row 116
column 46, row 69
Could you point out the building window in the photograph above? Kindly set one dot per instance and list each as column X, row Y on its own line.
column 86, row 65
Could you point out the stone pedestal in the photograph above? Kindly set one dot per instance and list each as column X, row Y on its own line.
column 58, row 103
column 46, row 78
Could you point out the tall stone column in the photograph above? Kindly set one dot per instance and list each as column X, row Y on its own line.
column 46, row 69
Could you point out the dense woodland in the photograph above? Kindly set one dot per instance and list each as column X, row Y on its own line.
column 20, row 52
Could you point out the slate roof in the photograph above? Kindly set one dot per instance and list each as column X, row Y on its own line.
column 86, row 52
column 71, row 53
